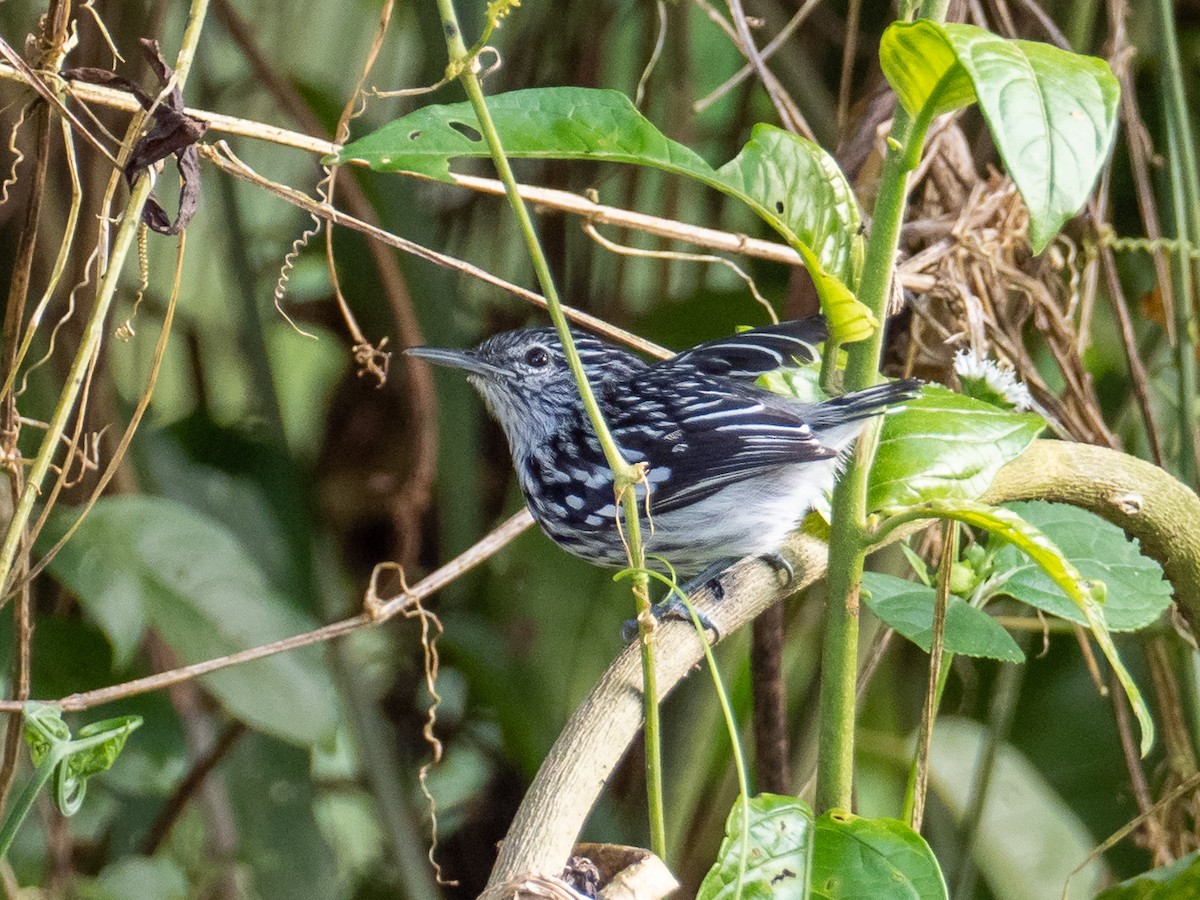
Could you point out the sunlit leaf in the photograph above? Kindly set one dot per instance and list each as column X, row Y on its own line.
column 855, row 858
column 1028, row 840
column 1087, row 595
column 1137, row 594
column 1052, row 114
column 790, row 182
column 779, row 852
column 944, row 445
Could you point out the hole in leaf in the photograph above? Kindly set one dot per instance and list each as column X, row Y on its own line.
column 413, row 135
column 466, row 131
column 779, row 206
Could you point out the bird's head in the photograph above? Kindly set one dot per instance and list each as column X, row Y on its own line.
column 524, row 378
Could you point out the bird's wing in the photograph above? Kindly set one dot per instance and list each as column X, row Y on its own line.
column 699, row 435
column 749, row 354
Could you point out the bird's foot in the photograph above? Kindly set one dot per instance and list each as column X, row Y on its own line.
column 672, row 607
column 781, row 566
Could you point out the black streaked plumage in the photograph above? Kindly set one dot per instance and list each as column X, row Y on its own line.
column 732, row 468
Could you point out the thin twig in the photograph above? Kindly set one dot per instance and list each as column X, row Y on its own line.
column 54, row 35
column 412, row 498
column 189, row 787
column 853, row 15
column 435, row 581
column 221, row 156
column 791, row 117
column 766, row 53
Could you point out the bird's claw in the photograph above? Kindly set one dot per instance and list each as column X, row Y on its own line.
column 777, row 562
column 671, row 608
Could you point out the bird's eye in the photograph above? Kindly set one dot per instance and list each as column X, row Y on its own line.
column 537, row 357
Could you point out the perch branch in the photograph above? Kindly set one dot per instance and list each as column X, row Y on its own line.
column 1133, row 494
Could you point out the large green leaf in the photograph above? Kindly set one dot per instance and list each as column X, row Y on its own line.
column 779, row 855
column 1137, row 594
column 1052, row 114
column 1088, row 596
column 1028, row 840
column 789, row 181
column 152, row 560
column 908, row 608
column 944, row 445
column 856, row 858
column 1180, row 879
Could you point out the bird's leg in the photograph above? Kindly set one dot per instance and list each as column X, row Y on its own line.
column 672, row 607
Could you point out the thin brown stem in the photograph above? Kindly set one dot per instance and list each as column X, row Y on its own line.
column 413, row 497
column 223, row 158
column 190, row 786
column 380, row 611
column 771, row 751
column 853, row 14
column 53, row 36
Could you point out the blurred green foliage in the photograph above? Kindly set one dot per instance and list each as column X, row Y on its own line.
column 262, row 438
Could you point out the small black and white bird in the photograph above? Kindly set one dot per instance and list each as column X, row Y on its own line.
column 732, row 468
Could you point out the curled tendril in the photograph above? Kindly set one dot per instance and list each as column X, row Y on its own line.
column 285, row 271
column 66, row 317
column 18, row 156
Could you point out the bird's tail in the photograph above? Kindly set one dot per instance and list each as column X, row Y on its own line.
column 838, row 419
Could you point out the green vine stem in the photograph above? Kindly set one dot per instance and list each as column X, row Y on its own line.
column 939, row 669
column 1185, row 206
column 1137, row 496
column 839, row 662
column 464, row 65
column 89, row 344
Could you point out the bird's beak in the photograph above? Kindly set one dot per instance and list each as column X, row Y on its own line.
column 457, row 359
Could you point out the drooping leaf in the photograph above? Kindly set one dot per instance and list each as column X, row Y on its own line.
column 93, row 751
column 1087, row 595
column 790, row 182
column 943, row 445
column 908, row 608
column 196, row 586
column 855, row 858
column 779, row 852
column 1028, row 840
column 97, row 759
column 1179, row 879
column 1137, row 594
column 1052, row 114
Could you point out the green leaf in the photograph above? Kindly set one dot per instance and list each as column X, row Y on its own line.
column 1028, row 840
column 92, row 751
column 1088, row 596
column 94, row 760
column 790, row 182
column 908, row 608
column 855, row 857
column 1137, row 593
column 112, row 600
column 1180, row 879
column 943, row 445
column 779, row 853
column 198, row 588
column 1052, row 114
